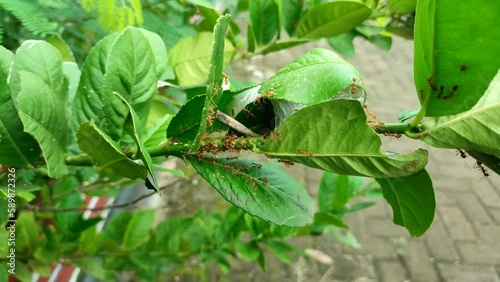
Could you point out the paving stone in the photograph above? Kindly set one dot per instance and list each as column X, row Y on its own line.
column 496, row 214
column 488, row 195
column 467, row 273
column 384, row 227
column 391, row 271
column 480, row 253
column 453, row 183
column 472, row 207
column 418, row 262
column 457, row 224
column 379, row 247
column 444, row 198
column 489, row 234
column 439, row 243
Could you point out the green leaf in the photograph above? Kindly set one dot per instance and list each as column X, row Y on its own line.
column 190, row 58
column 412, row 201
column 488, row 160
column 290, row 11
column 156, row 133
column 91, row 266
column 327, row 218
column 454, row 53
column 113, row 234
column 475, row 130
column 249, row 251
column 137, row 231
column 73, row 74
column 259, row 189
column 43, row 114
column 331, row 19
column 343, row 43
column 67, row 222
column 401, row 6
column 314, row 77
column 134, row 129
column 26, row 233
column 87, row 104
column 62, row 47
column 284, row 44
column 281, row 249
column 159, row 51
column 338, row 140
column 250, row 39
column 23, row 273
column 215, row 79
column 42, row 59
column 17, row 148
column 106, row 152
column 185, row 124
column 264, row 16
column 131, row 72
column 333, row 191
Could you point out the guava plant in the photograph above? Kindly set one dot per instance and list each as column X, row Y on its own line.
column 63, row 126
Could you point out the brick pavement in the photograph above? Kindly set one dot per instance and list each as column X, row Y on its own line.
column 463, row 244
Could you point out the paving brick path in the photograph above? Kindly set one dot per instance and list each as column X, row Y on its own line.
column 463, row 243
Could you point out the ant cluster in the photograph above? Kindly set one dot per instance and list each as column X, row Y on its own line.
column 478, row 165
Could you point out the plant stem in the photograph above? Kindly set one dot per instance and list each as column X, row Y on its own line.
column 392, row 128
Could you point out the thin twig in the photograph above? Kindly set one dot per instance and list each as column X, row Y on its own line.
column 90, row 187
column 234, row 124
column 112, row 206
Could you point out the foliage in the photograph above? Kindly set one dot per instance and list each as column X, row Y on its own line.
column 143, row 94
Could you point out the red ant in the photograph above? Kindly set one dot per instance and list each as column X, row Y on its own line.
column 481, row 168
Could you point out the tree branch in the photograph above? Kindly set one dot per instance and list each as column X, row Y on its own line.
column 112, row 206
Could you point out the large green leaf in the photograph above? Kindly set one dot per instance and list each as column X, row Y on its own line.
column 184, row 125
column 455, row 53
column 475, row 130
column 87, row 105
column 314, row 77
column 412, row 201
column 334, row 136
column 42, row 59
column 330, row 19
column 17, row 148
column 131, row 72
column 106, row 152
column 190, row 58
column 259, row 189
column 264, row 16
column 134, row 129
column 137, row 231
column 159, row 51
column 44, row 116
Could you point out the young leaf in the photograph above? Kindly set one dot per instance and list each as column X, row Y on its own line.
column 249, row 251
column 156, row 133
column 343, row 43
column 334, row 136
column 131, row 72
column 264, row 16
column 87, row 104
column 215, row 78
column 42, row 59
column 454, row 63
column 190, row 58
column 26, row 233
column 328, row 218
column 289, row 11
column 137, row 231
column 333, row 191
column 259, row 189
column 185, row 124
column 159, row 51
column 314, row 77
column 62, row 47
column 17, row 148
column 412, row 201
column 106, row 152
column 43, row 114
column 330, row 19
column 475, row 130
column 133, row 128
